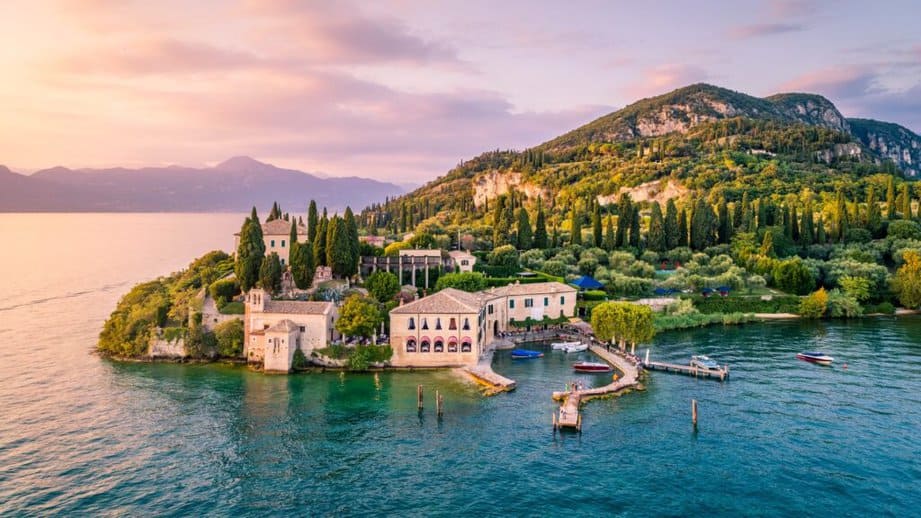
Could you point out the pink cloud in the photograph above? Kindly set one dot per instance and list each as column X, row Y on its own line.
column 663, row 78
column 764, row 29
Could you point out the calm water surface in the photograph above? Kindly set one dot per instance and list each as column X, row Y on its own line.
column 79, row 435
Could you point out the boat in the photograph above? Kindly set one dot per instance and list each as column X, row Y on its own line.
column 576, row 348
column 521, row 354
column 561, row 346
column 815, row 357
column 591, row 367
column 704, row 362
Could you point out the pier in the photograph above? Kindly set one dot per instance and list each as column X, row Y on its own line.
column 483, row 374
column 569, row 415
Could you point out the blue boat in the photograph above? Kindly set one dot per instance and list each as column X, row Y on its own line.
column 522, row 354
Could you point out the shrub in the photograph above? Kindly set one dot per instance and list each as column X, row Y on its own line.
column 383, row 285
column 841, row 305
column 793, row 276
column 466, row 281
column 233, row 308
column 815, row 304
column 904, row 229
column 223, row 290
column 594, row 295
column 857, row 235
column 555, row 268
column 505, row 255
column 886, row 308
column 299, row 362
column 229, row 337
column 776, row 304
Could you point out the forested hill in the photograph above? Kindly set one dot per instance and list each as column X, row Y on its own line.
column 699, row 139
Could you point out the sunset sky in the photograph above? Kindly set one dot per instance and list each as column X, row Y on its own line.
column 402, row 90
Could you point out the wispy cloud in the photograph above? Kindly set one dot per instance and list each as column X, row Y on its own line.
column 764, row 29
column 662, row 78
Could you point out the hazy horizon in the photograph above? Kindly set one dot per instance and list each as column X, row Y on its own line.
column 404, row 88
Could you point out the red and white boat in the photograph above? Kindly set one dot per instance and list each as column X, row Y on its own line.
column 815, row 357
column 591, row 367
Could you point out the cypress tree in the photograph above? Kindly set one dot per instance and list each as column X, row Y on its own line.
column 874, row 215
column 700, row 237
column 794, row 224
column 576, row 234
column 624, row 215
column 524, row 230
column 671, row 224
column 746, row 218
column 905, row 198
column 635, row 227
column 596, row 225
column 808, row 232
column 312, row 221
column 351, row 227
column 555, row 240
column 655, row 238
column 319, row 245
column 292, row 243
column 841, row 222
column 303, row 266
column 250, row 251
column 767, row 244
column 540, row 227
column 270, row 273
column 608, row 242
column 724, row 225
column 500, row 227
column 338, row 250
column 762, row 213
column 820, row 236
column 890, row 199
column 682, row 228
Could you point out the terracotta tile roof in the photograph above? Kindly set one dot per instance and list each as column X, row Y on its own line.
column 279, row 227
column 532, row 289
column 285, row 326
column 448, row 300
column 297, row 307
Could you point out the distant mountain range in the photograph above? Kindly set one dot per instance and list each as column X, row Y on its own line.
column 231, row 186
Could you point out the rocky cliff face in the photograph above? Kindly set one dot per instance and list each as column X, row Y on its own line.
column 489, row 185
column 892, row 142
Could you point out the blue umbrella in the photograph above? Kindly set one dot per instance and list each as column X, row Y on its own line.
column 586, row 283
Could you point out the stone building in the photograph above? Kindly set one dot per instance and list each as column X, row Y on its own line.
column 462, row 260
column 453, row 327
column 276, row 234
column 274, row 329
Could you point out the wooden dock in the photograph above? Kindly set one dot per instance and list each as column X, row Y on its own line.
column 569, row 415
column 698, row 372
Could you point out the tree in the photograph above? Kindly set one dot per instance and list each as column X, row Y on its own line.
column 671, row 224
column 820, row 236
column 524, row 230
column 682, row 228
column 596, row 225
column 505, row 255
column 229, row 336
column 655, row 239
column 793, row 276
column 907, row 281
column 575, row 237
column 383, row 286
column 890, row 199
column 312, row 221
column 319, row 245
column 624, row 220
column 874, row 216
column 354, row 247
column 302, row 265
column 338, row 248
column 608, row 241
column 635, row 227
column 807, row 234
column 767, row 245
column 250, row 252
column 814, row 305
column 746, row 216
column 466, row 281
column 905, row 199
column 724, row 229
column 540, row 228
column 856, row 287
column 358, row 316
column 270, row 273
column 700, row 236
column 841, row 218
column 501, row 225
column 622, row 322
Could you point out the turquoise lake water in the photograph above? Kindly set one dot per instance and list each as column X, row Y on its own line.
column 80, row 435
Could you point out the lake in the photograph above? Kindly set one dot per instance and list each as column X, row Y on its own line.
column 80, row 435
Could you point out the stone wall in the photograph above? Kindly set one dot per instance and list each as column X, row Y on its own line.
column 161, row 348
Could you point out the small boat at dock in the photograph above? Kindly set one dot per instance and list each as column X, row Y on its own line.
column 561, row 346
column 591, row 367
column 523, row 354
column 575, row 348
column 815, row 357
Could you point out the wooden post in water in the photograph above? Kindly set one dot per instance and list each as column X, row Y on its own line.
column 694, row 412
column 419, row 395
column 439, row 404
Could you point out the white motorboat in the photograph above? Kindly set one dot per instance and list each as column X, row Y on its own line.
column 576, row 348
column 561, row 346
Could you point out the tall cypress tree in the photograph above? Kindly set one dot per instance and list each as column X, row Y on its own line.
column 724, row 225
column 635, row 227
column 338, row 250
column 787, row 223
column 576, row 224
column 890, row 199
column 524, row 230
column 671, row 224
column 312, row 221
column 682, row 228
column 624, row 216
column 292, row 243
column 746, row 216
column 250, row 251
column 874, row 215
column 655, row 238
column 905, row 198
column 540, row 227
column 319, row 245
column 700, row 237
column 807, row 235
column 608, row 241
column 596, row 225
column 500, row 226
column 820, row 236
column 270, row 273
column 841, row 219
column 794, row 224
column 351, row 227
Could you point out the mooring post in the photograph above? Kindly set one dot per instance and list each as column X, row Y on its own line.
column 694, row 412
column 419, row 395
column 439, row 404
column 647, row 357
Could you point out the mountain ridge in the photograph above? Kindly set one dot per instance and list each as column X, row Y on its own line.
column 235, row 184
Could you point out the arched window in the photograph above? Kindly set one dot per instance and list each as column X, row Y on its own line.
column 452, row 345
column 465, row 346
column 437, row 323
column 452, row 325
column 412, row 323
column 439, row 346
column 425, row 346
column 466, row 324
column 410, row 345
column 425, row 323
